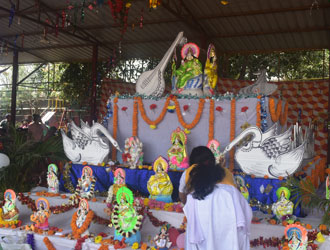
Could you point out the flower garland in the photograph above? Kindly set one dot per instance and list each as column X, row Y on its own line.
column 115, row 125
column 258, row 110
column 66, row 178
column 211, row 120
column 74, row 199
column 284, row 115
column 135, row 118
column 232, row 132
column 145, row 117
column 197, row 117
column 78, row 231
column 275, row 114
column 48, row 244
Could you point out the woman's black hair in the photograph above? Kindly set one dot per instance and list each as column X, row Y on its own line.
column 204, row 176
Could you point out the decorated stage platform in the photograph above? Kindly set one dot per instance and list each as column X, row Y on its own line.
column 60, row 240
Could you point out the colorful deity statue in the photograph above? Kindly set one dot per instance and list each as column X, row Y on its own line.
column 210, row 72
column 188, row 78
column 52, row 179
column 214, row 146
column 133, row 154
column 162, row 240
column 125, row 219
column 177, row 153
column 82, row 219
column 240, row 183
column 159, row 185
column 296, row 236
column 119, row 181
column 40, row 217
column 283, row 206
column 85, row 186
column 9, row 212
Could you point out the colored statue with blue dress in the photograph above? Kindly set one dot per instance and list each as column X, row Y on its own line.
column 9, row 212
column 159, row 185
column 52, row 180
column 188, row 78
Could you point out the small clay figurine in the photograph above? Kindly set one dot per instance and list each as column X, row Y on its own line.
column 52, row 180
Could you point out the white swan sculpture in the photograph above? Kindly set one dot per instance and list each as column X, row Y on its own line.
column 88, row 144
column 261, row 86
column 152, row 82
column 267, row 153
column 4, row 160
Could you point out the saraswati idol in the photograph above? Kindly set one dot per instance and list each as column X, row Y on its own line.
column 9, row 213
column 177, row 153
column 52, row 180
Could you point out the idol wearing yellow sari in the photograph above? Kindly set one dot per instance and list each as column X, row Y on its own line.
column 159, row 185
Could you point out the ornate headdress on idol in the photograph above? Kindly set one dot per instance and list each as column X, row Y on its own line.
column 10, row 194
column 180, row 134
column 160, row 161
column 190, row 47
column 87, row 170
column 286, row 191
column 44, row 202
column 122, row 173
column 52, row 168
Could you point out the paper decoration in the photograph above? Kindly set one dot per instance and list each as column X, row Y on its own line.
column 267, row 154
column 152, row 82
column 87, row 144
column 297, row 236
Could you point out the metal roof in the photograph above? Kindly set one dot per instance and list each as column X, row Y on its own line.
column 242, row 26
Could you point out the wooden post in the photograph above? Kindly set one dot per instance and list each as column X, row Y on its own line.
column 93, row 115
column 14, row 86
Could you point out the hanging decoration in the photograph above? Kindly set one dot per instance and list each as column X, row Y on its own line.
column 263, row 114
column 135, row 118
column 82, row 12
column 258, row 111
column 211, row 120
column 141, row 19
column 63, row 19
column 119, row 11
column 57, row 24
column 153, row 4
column 115, row 125
column 12, row 14
column 232, row 132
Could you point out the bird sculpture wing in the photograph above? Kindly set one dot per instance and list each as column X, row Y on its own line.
column 79, row 136
column 277, row 145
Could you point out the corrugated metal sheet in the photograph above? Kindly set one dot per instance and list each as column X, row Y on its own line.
column 240, row 27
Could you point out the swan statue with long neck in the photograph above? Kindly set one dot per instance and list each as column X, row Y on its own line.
column 88, row 144
column 267, row 153
column 152, row 82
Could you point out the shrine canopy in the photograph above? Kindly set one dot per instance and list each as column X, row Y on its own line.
column 66, row 31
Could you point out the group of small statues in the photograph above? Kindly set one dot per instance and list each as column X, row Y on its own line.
column 189, row 77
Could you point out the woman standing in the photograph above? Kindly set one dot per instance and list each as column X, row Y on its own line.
column 218, row 216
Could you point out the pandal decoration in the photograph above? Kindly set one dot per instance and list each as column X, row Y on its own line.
column 9, row 212
column 52, row 179
column 124, row 217
column 159, row 185
column 81, row 219
column 232, row 132
column 278, row 114
column 211, row 120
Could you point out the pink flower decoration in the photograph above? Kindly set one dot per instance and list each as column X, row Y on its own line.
column 124, row 108
column 185, row 107
column 153, row 106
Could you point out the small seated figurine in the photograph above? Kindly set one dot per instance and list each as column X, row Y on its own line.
column 162, row 240
column 283, row 207
column 133, row 154
column 85, row 186
column 52, row 180
column 125, row 219
column 9, row 212
column 297, row 237
column 159, row 185
column 240, row 183
column 210, row 72
column 177, row 153
column 81, row 220
column 40, row 217
column 214, row 146
column 188, row 78
column 119, row 181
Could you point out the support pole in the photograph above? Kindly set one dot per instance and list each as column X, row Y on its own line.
column 93, row 115
column 328, row 124
column 14, row 86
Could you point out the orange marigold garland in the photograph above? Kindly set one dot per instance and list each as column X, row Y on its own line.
column 284, row 115
column 135, row 118
column 146, row 118
column 258, row 109
column 48, row 244
column 197, row 117
column 275, row 114
column 211, row 120
column 76, row 232
column 232, row 132
column 115, row 126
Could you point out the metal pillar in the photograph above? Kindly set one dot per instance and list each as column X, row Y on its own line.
column 14, row 86
column 93, row 116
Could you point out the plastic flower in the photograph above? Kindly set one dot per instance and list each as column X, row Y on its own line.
column 219, row 109
column 153, row 126
column 244, row 109
column 153, row 106
column 98, row 239
column 187, row 131
column 185, row 107
column 124, row 108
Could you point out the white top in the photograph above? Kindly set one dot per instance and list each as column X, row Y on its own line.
column 221, row 221
column 182, row 184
